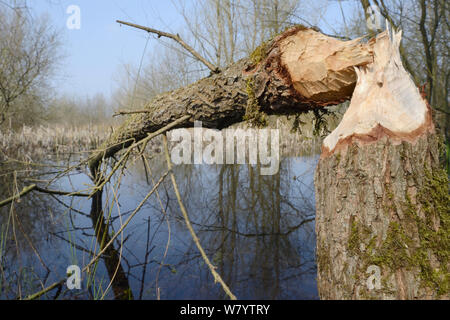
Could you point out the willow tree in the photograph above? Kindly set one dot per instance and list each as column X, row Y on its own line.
column 299, row 70
column 382, row 199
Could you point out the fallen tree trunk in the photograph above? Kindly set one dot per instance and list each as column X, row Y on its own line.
column 299, row 70
column 382, row 203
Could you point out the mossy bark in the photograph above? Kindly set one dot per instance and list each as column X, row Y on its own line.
column 383, row 206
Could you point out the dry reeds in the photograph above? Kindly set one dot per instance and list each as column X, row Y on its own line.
column 37, row 142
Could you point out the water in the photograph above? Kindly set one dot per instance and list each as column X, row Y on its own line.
column 257, row 230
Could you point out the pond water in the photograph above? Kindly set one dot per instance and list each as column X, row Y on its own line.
column 257, row 230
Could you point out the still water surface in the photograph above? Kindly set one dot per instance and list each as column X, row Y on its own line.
column 257, row 230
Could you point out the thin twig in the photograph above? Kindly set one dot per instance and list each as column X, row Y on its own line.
column 178, row 39
column 34, row 187
column 217, row 277
column 15, row 197
column 122, row 113
column 144, row 267
column 62, row 193
column 45, row 290
column 126, row 222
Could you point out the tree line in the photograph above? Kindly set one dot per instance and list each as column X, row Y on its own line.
column 30, row 57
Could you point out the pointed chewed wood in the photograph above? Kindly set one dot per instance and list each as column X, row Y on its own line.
column 385, row 102
column 303, row 69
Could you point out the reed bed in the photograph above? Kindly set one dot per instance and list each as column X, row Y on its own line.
column 30, row 143
column 37, row 142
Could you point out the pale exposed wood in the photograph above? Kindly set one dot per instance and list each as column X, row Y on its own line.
column 385, row 100
column 321, row 67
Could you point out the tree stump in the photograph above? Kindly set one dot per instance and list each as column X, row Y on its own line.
column 382, row 202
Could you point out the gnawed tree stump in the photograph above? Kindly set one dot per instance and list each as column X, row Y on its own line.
column 382, row 219
column 299, row 70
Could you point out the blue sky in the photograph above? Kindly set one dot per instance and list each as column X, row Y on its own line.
column 95, row 52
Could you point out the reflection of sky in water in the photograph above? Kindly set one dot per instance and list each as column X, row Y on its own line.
column 257, row 230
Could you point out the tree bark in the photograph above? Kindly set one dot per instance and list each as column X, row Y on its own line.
column 298, row 70
column 382, row 202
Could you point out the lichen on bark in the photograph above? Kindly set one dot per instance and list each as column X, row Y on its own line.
column 434, row 200
column 385, row 205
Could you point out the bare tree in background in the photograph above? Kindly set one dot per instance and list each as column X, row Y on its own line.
column 164, row 69
column 227, row 30
column 223, row 31
column 28, row 57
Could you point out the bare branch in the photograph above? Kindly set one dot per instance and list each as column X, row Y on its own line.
column 178, row 39
column 15, row 197
column 34, row 187
column 122, row 113
column 62, row 193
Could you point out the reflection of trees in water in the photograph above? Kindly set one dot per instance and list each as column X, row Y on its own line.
column 250, row 228
column 33, row 224
column 25, row 225
column 256, row 229
column 112, row 258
